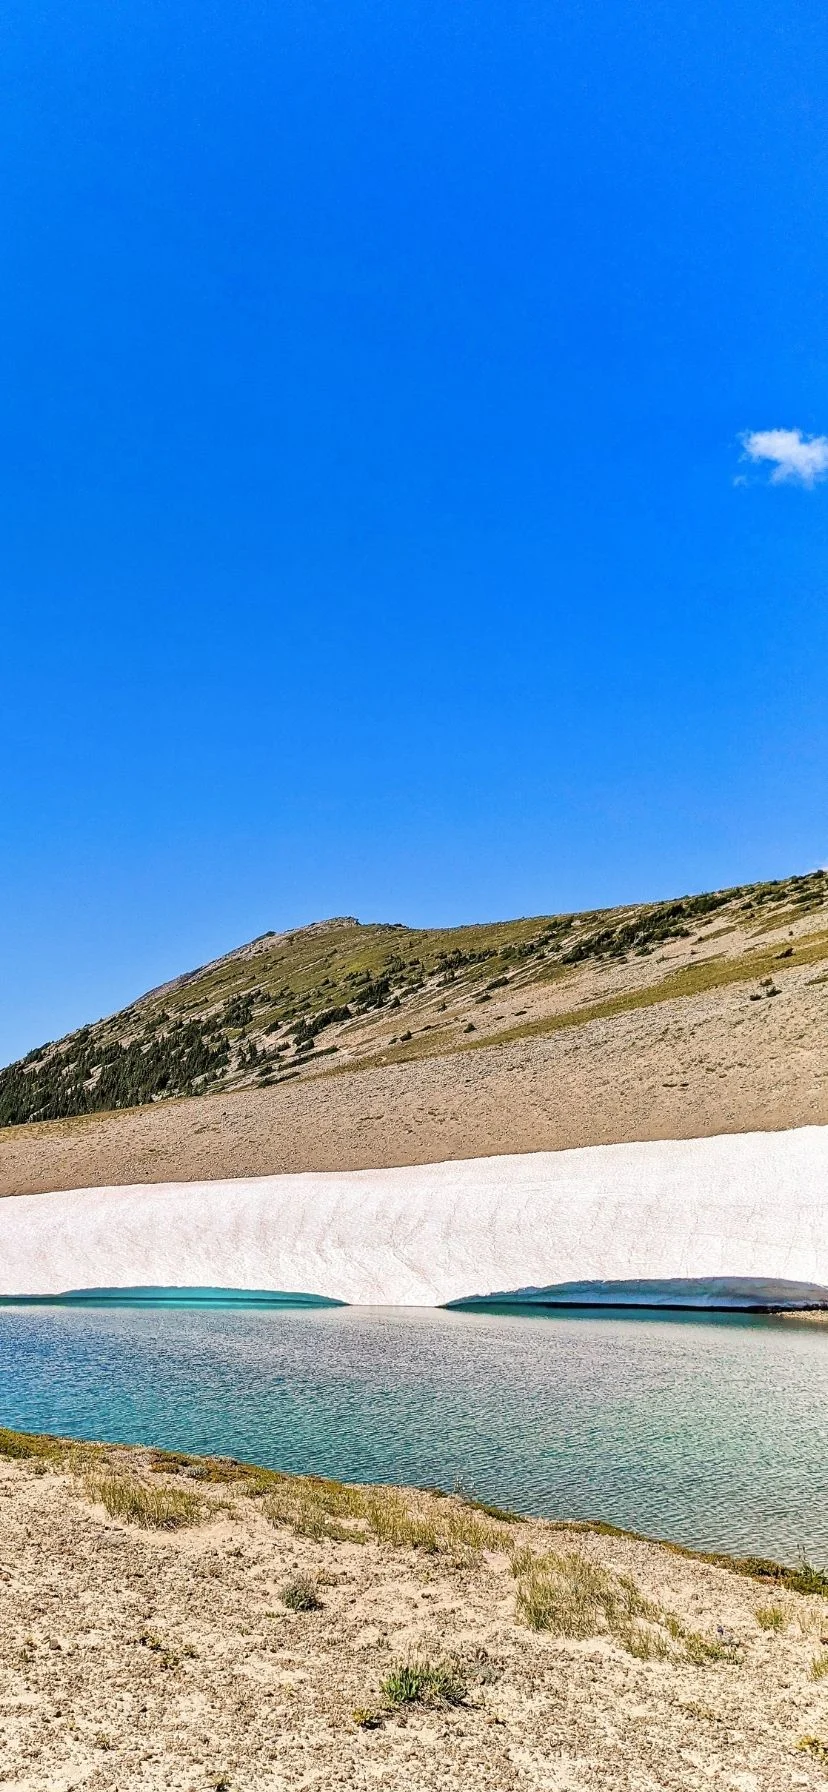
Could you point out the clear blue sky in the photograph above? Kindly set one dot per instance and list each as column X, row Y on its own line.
column 377, row 536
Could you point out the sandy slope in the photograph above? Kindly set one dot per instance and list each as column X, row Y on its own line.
column 711, row 1063
column 133, row 1659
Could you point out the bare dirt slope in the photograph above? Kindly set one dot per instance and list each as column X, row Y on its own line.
column 173, row 1658
column 350, row 1047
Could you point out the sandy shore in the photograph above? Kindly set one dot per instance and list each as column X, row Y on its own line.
column 169, row 1658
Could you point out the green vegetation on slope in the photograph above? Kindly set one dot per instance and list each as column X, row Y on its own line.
column 275, row 1007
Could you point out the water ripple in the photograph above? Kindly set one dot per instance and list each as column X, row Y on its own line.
column 710, row 1431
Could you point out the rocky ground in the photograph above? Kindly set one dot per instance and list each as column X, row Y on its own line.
column 166, row 1623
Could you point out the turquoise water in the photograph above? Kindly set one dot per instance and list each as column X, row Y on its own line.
column 710, row 1431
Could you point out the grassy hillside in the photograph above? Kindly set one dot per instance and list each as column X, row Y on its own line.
column 342, row 995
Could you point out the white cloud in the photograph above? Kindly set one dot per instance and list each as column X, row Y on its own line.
column 793, row 455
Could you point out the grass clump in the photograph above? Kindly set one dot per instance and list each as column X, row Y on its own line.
column 701, row 1651
column 572, row 1596
column 315, row 1508
column 300, row 1595
column 423, row 1682
column 153, row 1508
column 806, row 1578
column 771, row 1617
column 819, row 1666
column 391, row 1520
column 644, row 1643
column 318, row 1508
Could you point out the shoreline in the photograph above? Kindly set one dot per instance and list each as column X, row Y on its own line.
column 173, row 1623
column 210, row 1300
column 46, row 1446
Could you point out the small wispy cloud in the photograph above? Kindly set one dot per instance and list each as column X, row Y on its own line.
column 792, row 455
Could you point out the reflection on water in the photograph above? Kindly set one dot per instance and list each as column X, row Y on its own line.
column 708, row 1431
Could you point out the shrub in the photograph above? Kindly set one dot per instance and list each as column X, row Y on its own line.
column 300, row 1595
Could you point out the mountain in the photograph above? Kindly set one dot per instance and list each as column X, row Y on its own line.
column 703, row 1013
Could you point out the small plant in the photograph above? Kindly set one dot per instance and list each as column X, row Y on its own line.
column 819, row 1666
column 300, row 1595
column 814, row 1745
column 367, row 1718
column 422, row 1682
column 644, row 1643
column 771, row 1617
column 167, row 1657
column 701, row 1652
column 153, row 1508
column 807, row 1579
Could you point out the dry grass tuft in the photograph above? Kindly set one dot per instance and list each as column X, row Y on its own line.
column 771, row 1617
column 405, row 1520
column 814, row 1745
column 153, row 1508
column 572, row 1596
column 315, row 1508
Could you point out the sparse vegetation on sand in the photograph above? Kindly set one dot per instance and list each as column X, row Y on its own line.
column 154, row 1508
column 572, row 1596
column 169, row 1620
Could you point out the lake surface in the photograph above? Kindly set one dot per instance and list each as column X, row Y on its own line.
column 709, row 1431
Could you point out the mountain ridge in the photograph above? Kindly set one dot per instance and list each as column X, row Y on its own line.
column 339, row 998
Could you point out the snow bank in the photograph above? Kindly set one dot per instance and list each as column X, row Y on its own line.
column 750, row 1205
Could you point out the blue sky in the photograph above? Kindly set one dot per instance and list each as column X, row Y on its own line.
column 379, row 529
